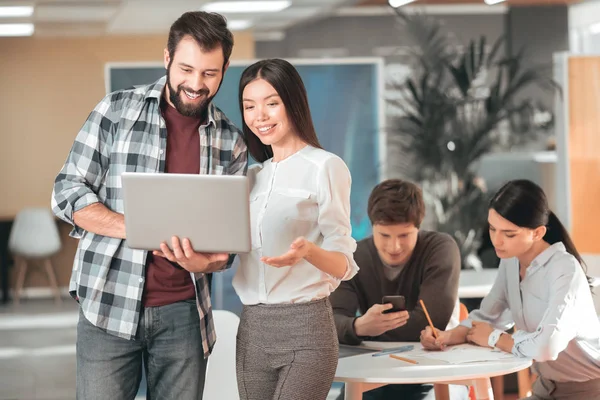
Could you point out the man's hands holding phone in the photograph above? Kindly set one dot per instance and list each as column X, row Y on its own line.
column 374, row 322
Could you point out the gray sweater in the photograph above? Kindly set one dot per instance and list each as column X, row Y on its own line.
column 431, row 274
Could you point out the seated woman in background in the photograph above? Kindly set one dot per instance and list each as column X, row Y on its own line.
column 543, row 285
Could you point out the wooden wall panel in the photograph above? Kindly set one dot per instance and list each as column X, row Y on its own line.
column 584, row 151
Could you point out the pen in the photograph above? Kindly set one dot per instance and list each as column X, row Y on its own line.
column 408, row 360
column 429, row 319
column 394, row 350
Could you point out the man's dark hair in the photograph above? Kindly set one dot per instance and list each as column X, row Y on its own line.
column 209, row 30
column 396, row 202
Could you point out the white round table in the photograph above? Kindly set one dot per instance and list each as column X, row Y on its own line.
column 476, row 284
column 364, row 372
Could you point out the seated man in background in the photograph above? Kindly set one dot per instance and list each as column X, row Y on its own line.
column 399, row 259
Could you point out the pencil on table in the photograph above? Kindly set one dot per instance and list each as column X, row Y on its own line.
column 429, row 319
column 408, row 360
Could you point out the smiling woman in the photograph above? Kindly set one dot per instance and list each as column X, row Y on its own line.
column 266, row 100
column 265, row 114
column 301, row 242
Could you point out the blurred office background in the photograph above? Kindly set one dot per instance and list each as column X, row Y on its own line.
column 358, row 58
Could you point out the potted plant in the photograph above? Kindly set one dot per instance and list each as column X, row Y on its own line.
column 459, row 103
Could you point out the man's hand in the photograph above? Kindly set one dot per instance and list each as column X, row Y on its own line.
column 184, row 255
column 375, row 323
column 479, row 334
column 298, row 250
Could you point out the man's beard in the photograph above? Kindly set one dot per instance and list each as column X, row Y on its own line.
column 198, row 110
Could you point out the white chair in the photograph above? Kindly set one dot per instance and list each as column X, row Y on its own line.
column 221, row 380
column 34, row 236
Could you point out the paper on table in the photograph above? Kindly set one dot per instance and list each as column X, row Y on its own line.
column 466, row 353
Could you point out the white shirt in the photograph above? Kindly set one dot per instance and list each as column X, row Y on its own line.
column 455, row 317
column 306, row 194
column 553, row 313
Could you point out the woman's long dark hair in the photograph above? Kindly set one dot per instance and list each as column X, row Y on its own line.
column 289, row 86
column 524, row 203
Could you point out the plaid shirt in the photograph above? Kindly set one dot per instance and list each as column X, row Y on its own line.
column 126, row 132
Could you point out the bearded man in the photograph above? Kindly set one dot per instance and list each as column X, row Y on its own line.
column 138, row 308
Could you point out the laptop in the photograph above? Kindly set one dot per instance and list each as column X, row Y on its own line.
column 213, row 211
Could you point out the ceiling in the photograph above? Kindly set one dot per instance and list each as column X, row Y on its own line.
column 446, row 2
column 125, row 17
column 122, row 17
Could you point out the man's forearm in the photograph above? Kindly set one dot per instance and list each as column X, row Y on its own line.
column 97, row 218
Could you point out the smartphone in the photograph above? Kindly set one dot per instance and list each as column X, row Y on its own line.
column 398, row 303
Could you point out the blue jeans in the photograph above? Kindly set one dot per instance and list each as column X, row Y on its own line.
column 169, row 343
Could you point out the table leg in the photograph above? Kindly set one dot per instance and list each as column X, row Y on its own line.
column 524, row 380
column 483, row 389
column 498, row 387
column 355, row 390
column 442, row 391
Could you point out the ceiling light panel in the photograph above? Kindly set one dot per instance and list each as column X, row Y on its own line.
column 230, row 7
column 16, row 11
column 16, row 29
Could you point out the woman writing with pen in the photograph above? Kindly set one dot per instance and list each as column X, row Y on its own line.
column 544, row 288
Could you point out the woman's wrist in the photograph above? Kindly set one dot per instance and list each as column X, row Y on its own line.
column 310, row 251
column 505, row 343
column 458, row 335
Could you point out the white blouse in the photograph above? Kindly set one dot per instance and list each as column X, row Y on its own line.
column 553, row 313
column 306, row 194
